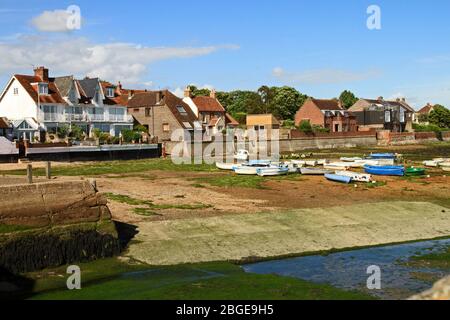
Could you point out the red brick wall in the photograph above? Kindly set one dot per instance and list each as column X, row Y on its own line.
column 310, row 112
column 296, row 134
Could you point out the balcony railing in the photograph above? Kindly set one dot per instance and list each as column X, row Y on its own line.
column 74, row 117
column 85, row 117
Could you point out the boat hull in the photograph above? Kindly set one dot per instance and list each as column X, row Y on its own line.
column 263, row 172
column 338, row 178
column 226, row 166
column 314, row 172
column 385, row 170
column 355, row 176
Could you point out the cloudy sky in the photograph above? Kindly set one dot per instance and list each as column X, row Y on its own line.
column 320, row 47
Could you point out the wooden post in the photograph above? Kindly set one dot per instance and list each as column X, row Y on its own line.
column 30, row 173
column 48, row 170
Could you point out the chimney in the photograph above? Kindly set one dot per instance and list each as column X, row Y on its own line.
column 42, row 73
column 130, row 94
column 119, row 86
column 187, row 92
column 158, row 97
column 380, row 99
column 213, row 94
column 403, row 99
column 398, row 99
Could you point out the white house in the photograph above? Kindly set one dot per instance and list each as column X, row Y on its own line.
column 38, row 104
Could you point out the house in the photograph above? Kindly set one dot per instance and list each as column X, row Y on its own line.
column 161, row 112
column 5, row 128
column 328, row 114
column 380, row 114
column 45, row 104
column 210, row 113
column 264, row 125
column 421, row 116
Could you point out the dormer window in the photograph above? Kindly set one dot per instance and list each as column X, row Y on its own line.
column 110, row 92
column 43, row 88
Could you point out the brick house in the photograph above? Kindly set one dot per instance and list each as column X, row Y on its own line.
column 210, row 112
column 161, row 112
column 380, row 114
column 328, row 114
column 425, row 111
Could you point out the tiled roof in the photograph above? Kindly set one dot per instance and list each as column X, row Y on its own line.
column 329, row 104
column 149, row 99
column 426, row 110
column 230, row 120
column 53, row 95
column 4, row 123
column 208, row 104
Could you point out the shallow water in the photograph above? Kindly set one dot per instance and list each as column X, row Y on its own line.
column 348, row 269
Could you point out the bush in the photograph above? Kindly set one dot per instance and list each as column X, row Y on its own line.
column 240, row 117
column 427, row 128
column 289, row 124
column 320, row 129
column 305, row 126
column 140, row 128
column 130, row 135
column 62, row 132
column 77, row 133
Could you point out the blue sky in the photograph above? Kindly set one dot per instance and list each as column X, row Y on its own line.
column 319, row 47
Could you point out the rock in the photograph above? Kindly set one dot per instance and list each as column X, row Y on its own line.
column 440, row 291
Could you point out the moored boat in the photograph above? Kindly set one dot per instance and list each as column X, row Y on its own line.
column 227, row 166
column 385, row 170
column 414, row 171
column 251, row 167
column 350, row 159
column 336, row 166
column 314, row 171
column 430, row 163
column 272, row 171
column 321, row 162
column 355, row 176
column 338, row 178
column 445, row 166
column 382, row 156
column 311, row 163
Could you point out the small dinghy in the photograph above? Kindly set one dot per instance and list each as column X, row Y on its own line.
column 322, row 162
column 311, row 163
column 369, row 162
column 338, row 178
column 250, row 168
column 299, row 163
column 314, row 171
column 445, row 166
column 272, row 171
column 336, row 166
column 350, row 159
column 227, row 166
column 415, row 171
column 382, row 156
column 385, row 170
column 292, row 167
column 355, row 176
column 430, row 163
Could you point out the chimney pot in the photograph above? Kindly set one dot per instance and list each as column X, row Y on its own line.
column 213, row 94
column 42, row 73
column 187, row 92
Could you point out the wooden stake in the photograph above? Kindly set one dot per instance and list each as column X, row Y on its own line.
column 48, row 170
column 30, row 173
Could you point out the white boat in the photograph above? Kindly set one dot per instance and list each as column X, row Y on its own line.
column 272, row 171
column 251, row 167
column 311, row 163
column 350, row 159
column 227, row 166
column 360, row 177
column 336, row 166
column 314, row 171
column 321, row 162
column 445, row 166
column 431, row 163
column 299, row 163
column 439, row 160
column 292, row 167
column 242, row 155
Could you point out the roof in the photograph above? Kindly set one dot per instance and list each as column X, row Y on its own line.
column 427, row 109
column 64, row 84
column 327, row 104
column 230, row 120
column 53, row 95
column 89, row 86
column 208, row 104
column 258, row 119
column 186, row 119
column 31, row 122
column 4, row 123
column 382, row 103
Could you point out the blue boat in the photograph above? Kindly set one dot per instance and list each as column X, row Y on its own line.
column 382, row 156
column 385, row 170
column 338, row 178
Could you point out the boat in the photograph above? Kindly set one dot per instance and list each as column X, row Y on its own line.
column 292, row 167
column 314, row 171
column 336, row 166
column 382, row 156
column 385, row 170
column 311, row 163
column 439, row 160
column 242, row 155
column 251, row 168
column 272, row 171
column 299, row 163
column 445, row 166
column 414, row 171
column 321, row 162
column 359, row 177
column 350, row 159
column 430, row 163
column 369, row 162
column 338, row 178
column 226, row 166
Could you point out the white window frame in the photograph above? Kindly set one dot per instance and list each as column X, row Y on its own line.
column 110, row 92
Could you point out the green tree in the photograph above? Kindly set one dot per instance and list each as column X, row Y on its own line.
column 440, row 116
column 305, row 126
column 76, row 132
column 348, row 99
column 286, row 101
column 196, row 92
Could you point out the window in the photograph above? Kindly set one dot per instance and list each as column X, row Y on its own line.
column 402, row 115
column 110, row 92
column 43, row 88
column 166, row 127
column 136, row 110
column 387, row 116
column 148, row 112
column 181, row 110
column 16, row 91
column 102, row 127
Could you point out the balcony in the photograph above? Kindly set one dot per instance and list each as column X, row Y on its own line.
column 74, row 117
column 50, row 117
column 96, row 117
column 120, row 118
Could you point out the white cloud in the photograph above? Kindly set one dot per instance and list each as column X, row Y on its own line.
column 115, row 61
column 52, row 21
column 323, row 76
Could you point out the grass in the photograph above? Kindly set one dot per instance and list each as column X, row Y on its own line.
column 4, row 228
column 432, row 260
column 118, row 167
column 376, row 184
column 147, row 211
column 219, row 280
